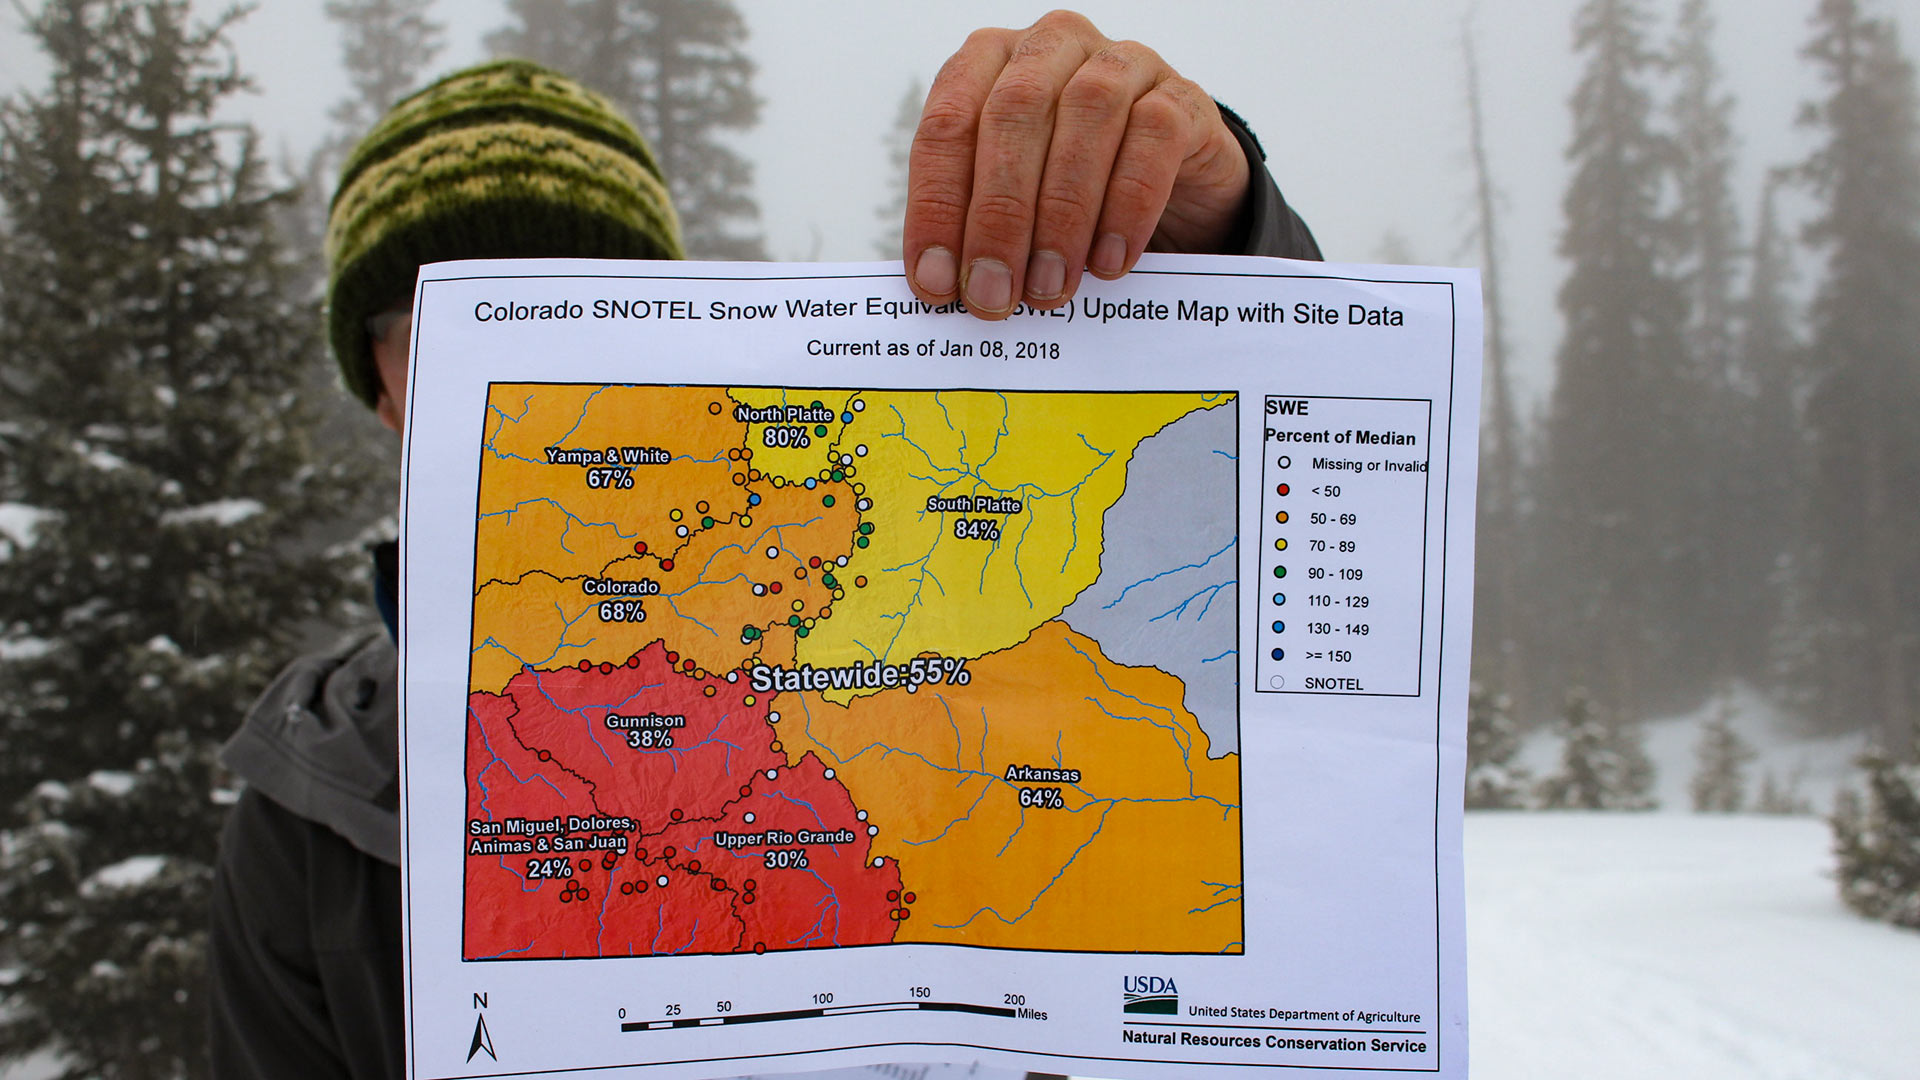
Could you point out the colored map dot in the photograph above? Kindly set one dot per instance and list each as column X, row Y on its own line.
column 860, row 450
column 793, row 620
column 707, row 690
column 745, row 521
column 774, row 588
column 666, row 564
column 803, row 631
column 860, row 542
column 673, row 515
column 859, row 406
column 826, row 500
column 701, row 506
column 640, row 547
column 706, row 523
column 748, row 700
column 866, row 528
column 773, row 552
column 753, row 500
column 827, row 580
column 820, row 430
column 860, row 582
column 810, row 482
column 814, row 562
column 713, row 407
column 863, row 504
column 846, row 418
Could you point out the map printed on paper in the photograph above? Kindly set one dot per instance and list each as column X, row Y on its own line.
column 795, row 675
column 758, row 669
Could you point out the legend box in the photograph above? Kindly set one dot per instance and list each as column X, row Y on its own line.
column 1343, row 545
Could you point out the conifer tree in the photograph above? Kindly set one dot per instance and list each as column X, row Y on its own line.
column 1603, row 761
column 1876, row 841
column 899, row 144
column 1495, row 781
column 1618, row 452
column 678, row 70
column 1864, row 367
column 385, row 46
column 1721, row 757
column 154, row 358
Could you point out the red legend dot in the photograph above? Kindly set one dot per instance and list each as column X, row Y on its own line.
column 1282, row 489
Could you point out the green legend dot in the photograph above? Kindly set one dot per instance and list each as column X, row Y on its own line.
column 826, row 500
column 1279, row 571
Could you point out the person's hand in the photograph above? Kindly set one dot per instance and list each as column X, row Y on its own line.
column 1051, row 149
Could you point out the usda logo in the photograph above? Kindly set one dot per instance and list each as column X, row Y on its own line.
column 1149, row 994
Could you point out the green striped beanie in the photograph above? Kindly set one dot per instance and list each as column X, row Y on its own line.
column 504, row 160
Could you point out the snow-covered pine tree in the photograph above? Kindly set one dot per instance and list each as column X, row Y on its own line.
column 1603, row 762
column 152, row 358
column 1494, row 780
column 899, row 145
column 1719, row 784
column 1864, row 367
column 1876, row 841
column 678, row 70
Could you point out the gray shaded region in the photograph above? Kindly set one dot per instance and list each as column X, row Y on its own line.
column 1168, row 594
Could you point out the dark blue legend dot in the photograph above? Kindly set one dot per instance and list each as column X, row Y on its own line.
column 1279, row 654
column 1279, row 627
column 1279, row 598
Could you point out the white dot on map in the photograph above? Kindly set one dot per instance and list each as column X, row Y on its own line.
column 846, row 459
column 859, row 406
column 841, row 561
column 772, row 775
column 873, row 830
column 681, row 531
column 733, row 676
column 879, row 860
column 864, row 504
column 773, row 553
column 829, row 774
column 861, row 450
column 661, row 881
column 773, row 718
column 759, row 590
column 862, row 815
column 749, row 818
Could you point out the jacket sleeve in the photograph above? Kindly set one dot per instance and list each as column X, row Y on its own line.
column 303, row 953
column 1270, row 225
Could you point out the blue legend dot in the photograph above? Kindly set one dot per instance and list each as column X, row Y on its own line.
column 1279, row 627
column 1279, row 598
column 1279, row 654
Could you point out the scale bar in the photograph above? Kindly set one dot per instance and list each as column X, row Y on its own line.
column 816, row 1014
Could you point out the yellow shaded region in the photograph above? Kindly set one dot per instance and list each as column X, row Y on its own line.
column 1142, row 854
column 964, row 582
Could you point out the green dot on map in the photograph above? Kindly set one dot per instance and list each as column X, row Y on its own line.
column 826, row 500
column 820, row 430
column 866, row 527
column 706, row 523
column 860, row 541
column 838, row 475
column 793, row 620
column 827, row 580
column 816, row 404
column 802, row 631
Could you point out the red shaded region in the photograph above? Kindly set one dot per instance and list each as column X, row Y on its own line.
column 542, row 749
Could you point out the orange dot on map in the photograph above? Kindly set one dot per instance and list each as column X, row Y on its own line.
column 708, row 691
column 713, row 407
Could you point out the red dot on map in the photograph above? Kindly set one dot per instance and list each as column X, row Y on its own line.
column 678, row 813
column 584, row 894
column 669, row 852
column 586, row 864
column 908, row 898
column 640, row 853
column 745, row 791
column 626, row 888
column 606, row 668
column 694, row 866
column 748, row 897
column 748, row 885
column 634, row 660
column 666, row 564
column 774, row 588
column 893, row 895
column 566, row 898
column 544, row 756
column 759, row 946
column 814, row 562
column 687, row 665
column 905, row 914
column 673, row 658
column 586, row 665
column 718, row 885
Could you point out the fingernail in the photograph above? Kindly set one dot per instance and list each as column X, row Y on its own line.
column 1109, row 255
column 1046, row 275
column 934, row 273
column 989, row 285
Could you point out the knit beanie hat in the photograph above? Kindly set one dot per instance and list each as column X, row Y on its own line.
column 504, row 160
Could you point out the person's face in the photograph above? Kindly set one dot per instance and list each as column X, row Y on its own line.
column 389, row 333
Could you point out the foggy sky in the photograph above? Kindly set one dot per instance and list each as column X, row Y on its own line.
column 1359, row 104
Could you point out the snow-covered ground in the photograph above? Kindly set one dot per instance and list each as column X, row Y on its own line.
column 1611, row 946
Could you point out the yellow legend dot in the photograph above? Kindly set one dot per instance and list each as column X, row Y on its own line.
column 1281, row 517
column 673, row 515
column 1280, row 544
